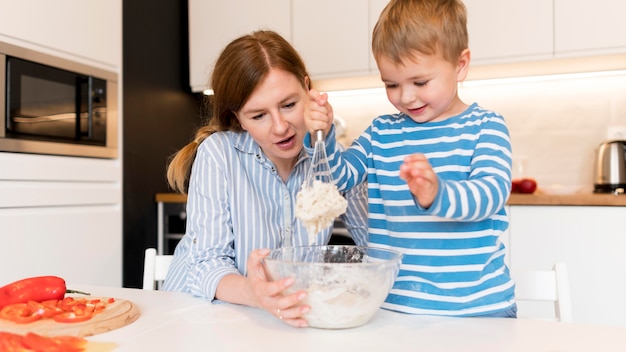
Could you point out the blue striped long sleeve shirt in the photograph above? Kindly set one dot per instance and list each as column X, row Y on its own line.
column 236, row 203
column 453, row 260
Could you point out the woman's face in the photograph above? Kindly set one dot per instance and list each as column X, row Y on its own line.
column 273, row 115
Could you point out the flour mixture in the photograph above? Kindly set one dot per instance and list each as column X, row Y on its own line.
column 317, row 207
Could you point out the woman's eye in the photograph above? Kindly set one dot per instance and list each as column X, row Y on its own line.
column 289, row 106
column 257, row 117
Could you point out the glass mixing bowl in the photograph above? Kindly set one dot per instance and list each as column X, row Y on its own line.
column 346, row 284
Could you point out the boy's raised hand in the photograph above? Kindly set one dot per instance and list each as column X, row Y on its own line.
column 318, row 114
column 421, row 179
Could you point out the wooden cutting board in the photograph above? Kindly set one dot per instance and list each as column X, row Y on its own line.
column 116, row 315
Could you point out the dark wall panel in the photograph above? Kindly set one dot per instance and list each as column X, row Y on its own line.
column 160, row 116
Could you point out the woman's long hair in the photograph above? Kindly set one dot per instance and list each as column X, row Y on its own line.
column 241, row 66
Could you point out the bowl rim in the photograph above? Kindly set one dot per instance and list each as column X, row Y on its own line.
column 397, row 256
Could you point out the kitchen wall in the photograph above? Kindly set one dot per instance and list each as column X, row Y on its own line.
column 555, row 126
column 160, row 116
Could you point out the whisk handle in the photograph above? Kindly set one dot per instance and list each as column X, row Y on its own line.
column 319, row 135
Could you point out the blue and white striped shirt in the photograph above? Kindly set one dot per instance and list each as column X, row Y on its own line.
column 236, row 203
column 453, row 260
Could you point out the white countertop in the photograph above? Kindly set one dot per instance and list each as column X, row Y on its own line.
column 178, row 322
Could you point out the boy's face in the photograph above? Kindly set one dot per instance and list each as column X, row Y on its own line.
column 425, row 86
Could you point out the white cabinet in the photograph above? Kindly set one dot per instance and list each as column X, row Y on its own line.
column 213, row 24
column 332, row 36
column 80, row 244
column 526, row 30
column 591, row 240
column 508, row 31
column 83, row 29
column 584, row 27
column 61, row 216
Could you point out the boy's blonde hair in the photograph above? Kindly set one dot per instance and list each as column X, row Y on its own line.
column 428, row 27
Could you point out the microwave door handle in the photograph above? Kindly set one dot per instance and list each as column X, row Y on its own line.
column 79, row 107
column 90, row 109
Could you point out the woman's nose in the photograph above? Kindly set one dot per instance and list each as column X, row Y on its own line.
column 280, row 124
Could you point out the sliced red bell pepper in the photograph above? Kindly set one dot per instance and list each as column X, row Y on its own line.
column 20, row 313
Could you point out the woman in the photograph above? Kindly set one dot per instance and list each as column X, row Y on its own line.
column 248, row 165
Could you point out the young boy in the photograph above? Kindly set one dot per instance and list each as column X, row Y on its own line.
column 438, row 172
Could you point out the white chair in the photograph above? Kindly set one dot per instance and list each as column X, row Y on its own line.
column 544, row 286
column 155, row 268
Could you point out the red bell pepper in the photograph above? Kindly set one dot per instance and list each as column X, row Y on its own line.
column 38, row 289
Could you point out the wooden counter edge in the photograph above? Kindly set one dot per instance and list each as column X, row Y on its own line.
column 579, row 199
column 171, row 198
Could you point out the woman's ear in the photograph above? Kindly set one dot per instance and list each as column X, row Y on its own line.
column 307, row 82
column 462, row 66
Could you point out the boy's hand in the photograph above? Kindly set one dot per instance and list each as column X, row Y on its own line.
column 421, row 179
column 318, row 114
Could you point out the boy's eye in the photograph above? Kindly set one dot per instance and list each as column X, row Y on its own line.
column 289, row 106
column 421, row 84
column 390, row 85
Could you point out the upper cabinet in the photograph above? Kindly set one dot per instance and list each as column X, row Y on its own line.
column 508, row 31
column 333, row 37
column 526, row 30
column 90, row 30
column 585, row 27
column 213, row 24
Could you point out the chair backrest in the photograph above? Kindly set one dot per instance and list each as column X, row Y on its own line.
column 155, row 268
column 548, row 286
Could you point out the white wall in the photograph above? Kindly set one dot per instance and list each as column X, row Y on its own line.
column 555, row 125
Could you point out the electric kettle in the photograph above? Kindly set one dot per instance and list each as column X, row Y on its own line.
column 610, row 167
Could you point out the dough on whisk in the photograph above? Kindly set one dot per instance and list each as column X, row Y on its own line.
column 318, row 206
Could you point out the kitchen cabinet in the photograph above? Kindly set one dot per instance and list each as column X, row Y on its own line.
column 590, row 240
column 80, row 30
column 585, row 27
column 61, row 216
column 333, row 37
column 213, row 24
column 527, row 30
column 507, row 31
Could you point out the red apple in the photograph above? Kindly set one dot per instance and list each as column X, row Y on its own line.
column 515, row 185
column 527, row 185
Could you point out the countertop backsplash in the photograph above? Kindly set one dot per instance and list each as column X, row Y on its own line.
column 555, row 125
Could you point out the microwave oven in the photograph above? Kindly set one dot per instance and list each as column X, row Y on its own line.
column 51, row 105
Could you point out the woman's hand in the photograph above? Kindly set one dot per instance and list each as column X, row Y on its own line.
column 421, row 179
column 270, row 296
column 318, row 114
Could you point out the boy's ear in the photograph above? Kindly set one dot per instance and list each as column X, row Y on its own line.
column 462, row 66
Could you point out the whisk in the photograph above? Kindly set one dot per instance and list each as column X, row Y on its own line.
column 319, row 169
